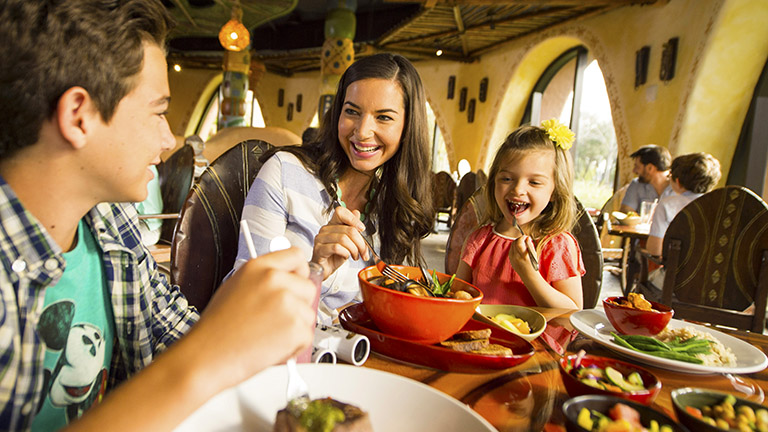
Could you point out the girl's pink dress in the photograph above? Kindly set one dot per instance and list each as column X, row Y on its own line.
column 487, row 252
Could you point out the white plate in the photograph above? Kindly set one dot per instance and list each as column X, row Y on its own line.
column 595, row 325
column 394, row 403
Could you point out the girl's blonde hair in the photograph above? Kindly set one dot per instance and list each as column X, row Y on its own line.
column 560, row 214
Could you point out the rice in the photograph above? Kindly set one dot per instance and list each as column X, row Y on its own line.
column 720, row 356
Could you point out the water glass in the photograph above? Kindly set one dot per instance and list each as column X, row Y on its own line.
column 316, row 276
column 646, row 211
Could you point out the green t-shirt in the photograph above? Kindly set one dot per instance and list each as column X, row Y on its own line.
column 78, row 329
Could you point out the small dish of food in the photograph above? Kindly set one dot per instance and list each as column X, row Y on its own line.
column 592, row 413
column 520, row 320
column 711, row 411
column 634, row 315
column 606, row 376
column 419, row 318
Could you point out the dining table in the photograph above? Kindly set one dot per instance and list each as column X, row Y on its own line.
column 632, row 237
column 529, row 396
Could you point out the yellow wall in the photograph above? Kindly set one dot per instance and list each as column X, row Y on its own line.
column 723, row 45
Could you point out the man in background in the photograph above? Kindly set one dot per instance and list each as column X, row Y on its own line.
column 651, row 165
column 83, row 97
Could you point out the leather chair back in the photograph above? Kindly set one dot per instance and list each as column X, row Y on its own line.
column 175, row 179
column 205, row 243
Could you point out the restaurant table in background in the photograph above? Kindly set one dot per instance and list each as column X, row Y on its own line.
column 528, row 397
column 631, row 237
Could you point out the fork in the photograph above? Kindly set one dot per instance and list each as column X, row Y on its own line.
column 531, row 253
column 391, row 272
column 297, row 392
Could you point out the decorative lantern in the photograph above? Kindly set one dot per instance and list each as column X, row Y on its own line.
column 233, row 35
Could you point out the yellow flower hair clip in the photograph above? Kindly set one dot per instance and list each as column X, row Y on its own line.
column 559, row 133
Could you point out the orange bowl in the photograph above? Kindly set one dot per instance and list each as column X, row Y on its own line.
column 630, row 321
column 425, row 320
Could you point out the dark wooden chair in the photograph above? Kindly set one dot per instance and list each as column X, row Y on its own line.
column 467, row 220
column 591, row 253
column 715, row 255
column 443, row 197
column 205, row 244
column 175, row 178
column 467, row 186
column 473, row 213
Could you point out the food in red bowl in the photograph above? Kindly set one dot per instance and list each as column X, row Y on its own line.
column 633, row 315
column 420, row 319
column 610, row 377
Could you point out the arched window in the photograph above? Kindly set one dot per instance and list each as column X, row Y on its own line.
column 207, row 127
column 572, row 90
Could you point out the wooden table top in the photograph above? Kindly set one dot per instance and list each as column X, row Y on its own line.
column 633, row 231
column 529, row 397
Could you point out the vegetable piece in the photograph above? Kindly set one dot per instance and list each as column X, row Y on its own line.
column 693, row 411
column 636, row 379
column 616, row 378
column 585, row 419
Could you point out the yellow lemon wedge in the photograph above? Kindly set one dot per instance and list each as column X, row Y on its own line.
column 512, row 323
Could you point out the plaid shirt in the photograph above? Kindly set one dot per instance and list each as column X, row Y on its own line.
column 150, row 314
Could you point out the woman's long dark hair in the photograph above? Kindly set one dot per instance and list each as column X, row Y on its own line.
column 405, row 186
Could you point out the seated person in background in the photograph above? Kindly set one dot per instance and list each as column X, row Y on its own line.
column 198, row 145
column 83, row 306
column 531, row 179
column 691, row 176
column 150, row 228
column 652, row 169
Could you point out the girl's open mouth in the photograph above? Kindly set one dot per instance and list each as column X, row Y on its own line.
column 517, row 207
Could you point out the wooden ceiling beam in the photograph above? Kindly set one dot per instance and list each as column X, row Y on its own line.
column 460, row 29
column 585, row 3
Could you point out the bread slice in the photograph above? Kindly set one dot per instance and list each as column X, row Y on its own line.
column 466, row 345
column 356, row 420
column 494, row 349
column 471, row 335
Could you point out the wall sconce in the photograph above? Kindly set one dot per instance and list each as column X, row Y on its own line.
column 451, row 85
column 668, row 60
column 462, row 99
column 233, row 35
column 280, row 97
column 471, row 111
column 299, row 100
column 641, row 65
column 483, row 89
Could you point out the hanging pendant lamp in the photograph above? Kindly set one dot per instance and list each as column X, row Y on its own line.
column 233, row 35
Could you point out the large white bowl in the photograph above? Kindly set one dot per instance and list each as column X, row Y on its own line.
column 535, row 320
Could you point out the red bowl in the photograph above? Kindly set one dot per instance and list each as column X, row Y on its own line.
column 574, row 387
column 630, row 321
column 426, row 320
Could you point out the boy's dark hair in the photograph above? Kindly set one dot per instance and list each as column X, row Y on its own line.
column 48, row 47
column 652, row 154
column 696, row 172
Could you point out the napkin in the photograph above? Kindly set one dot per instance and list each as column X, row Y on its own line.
column 558, row 337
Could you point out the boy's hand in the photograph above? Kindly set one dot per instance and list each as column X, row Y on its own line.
column 260, row 317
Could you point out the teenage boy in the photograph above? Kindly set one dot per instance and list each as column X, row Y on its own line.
column 651, row 165
column 83, row 96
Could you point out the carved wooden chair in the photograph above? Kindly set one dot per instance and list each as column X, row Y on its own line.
column 443, row 196
column 467, row 186
column 715, row 254
column 205, row 244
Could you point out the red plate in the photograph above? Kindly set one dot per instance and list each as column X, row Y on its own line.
column 356, row 319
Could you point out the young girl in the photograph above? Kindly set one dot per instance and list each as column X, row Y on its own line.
column 531, row 179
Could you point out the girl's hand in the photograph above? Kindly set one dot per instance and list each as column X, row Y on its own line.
column 339, row 240
column 518, row 256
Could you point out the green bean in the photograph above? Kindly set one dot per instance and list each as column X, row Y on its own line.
column 632, row 339
column 654, row 349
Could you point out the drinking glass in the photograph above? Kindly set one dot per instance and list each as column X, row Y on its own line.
column 646, row 211
column 316, row 276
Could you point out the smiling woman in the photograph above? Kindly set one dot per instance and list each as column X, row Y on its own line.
column 371, row 158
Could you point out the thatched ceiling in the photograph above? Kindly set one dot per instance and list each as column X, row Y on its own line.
column 287, row 35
